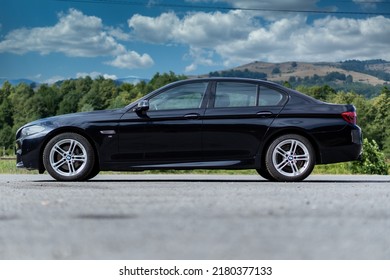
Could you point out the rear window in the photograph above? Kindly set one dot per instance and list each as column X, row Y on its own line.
column 269, row 97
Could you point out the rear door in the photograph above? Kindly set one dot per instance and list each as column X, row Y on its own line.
column 237, row 118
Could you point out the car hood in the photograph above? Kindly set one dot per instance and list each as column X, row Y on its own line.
column 78, row 119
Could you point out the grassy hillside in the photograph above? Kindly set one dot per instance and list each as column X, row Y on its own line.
column 363, row 77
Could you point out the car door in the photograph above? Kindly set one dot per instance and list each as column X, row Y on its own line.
column 237, row 118
column 171, row 127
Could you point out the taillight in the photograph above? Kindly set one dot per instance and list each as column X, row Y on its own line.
column 349, row 117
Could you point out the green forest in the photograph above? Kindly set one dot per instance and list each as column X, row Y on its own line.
column 22, row 103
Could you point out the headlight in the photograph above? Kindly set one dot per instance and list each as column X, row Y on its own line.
column 30, row 130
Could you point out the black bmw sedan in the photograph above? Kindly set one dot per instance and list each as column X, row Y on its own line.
column 207, row 123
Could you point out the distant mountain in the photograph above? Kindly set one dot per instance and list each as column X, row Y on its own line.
column 371, row 72
column 15, row 82
column 130, row 80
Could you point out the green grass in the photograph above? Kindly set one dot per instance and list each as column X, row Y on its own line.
column 336, row 168
column 8, row 166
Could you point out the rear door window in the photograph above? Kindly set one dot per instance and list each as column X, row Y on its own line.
column 232, row 94
column 269, row 97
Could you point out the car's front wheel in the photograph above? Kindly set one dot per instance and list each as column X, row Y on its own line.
column 69, row 157
column 290, row 158
column 263, row 172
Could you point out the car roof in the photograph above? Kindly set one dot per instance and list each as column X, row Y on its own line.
column 208, row 79
column 227, row 79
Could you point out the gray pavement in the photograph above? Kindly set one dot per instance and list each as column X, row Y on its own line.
column 194, row 217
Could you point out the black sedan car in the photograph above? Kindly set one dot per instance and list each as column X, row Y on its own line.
column 205, row 123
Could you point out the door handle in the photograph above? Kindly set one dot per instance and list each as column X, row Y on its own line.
column 264, row 114
column 192, row 116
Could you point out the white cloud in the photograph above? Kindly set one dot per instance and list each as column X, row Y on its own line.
column 238, row 37
column 274, row 9
column 132, row 60
column 345, row 38
column 267, row 4
column 199, row 56
column 118, row 34
column 269, row 43
column 95, row 74
column 369, row 5
column 197, row 29
column 54, row 79
column 37, row 76
column 155, row 30
column 201, row 31
column 190, row 68
column 75, row 35
column 326, row 39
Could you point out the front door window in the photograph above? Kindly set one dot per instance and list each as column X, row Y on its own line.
column 188, row 96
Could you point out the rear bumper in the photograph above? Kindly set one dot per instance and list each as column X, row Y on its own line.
column 341, row 154
column 346, row 146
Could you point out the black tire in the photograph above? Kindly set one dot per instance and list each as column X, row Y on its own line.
column 290, row 158
column 69, row 157
column 95, row 171
column 263, row 172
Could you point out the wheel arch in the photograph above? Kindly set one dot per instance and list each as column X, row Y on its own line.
column 292, row 130
column 59, row 131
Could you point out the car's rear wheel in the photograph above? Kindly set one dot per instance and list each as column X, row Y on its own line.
column 290, row 158
column 69, row 157
column 95, row 171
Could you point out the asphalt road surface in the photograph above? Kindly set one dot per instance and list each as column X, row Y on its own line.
column 194, row 217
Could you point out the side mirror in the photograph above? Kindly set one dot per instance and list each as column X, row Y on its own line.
column 142, row 106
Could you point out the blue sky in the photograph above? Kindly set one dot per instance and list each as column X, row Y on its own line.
column 48, row 40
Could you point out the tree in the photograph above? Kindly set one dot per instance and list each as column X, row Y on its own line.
column 6, row 115
column 83, row 85
column 292, row 79
column 46, row 100
column 69, row 103
column 100, row 94
column 72, row 91
column 349, row 79
column 121, row 100
column 386, row 144
column 379, row 118
column 373, row 160
column 323, row 93
column 23, row 108
column 276, row 71
column 160, row 80
column 6, row 137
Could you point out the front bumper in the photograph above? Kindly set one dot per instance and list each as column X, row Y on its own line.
column 28, row 152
